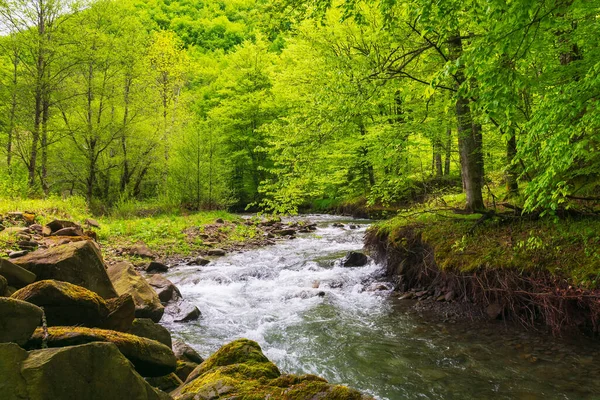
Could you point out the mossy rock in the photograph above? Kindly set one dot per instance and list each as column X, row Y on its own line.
column 3, row 286
column 149, row 357
column 65, row 304
column 127, row 280
column 121, row 313
column 166, row 383
column 95, row 371
column 18, row 320
column 184, row 369
column 145, row 327
column 79, row 263
column 240, row 370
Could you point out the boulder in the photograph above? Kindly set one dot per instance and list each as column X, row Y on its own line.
column 95, row 371
column 92, row 223
column 17, row 254
column 165, row 289
column 199, row 261
column 239, row 370
column 155, row 266
column 184, row 369
column 217, row 252
column 121, row 313
column 18, row 320
column 70, row 231
column 145, row 327
column 140, row 249
column 149, row 357
column 185, row 352
column 3, row 286
column 79, row 263
column 355, row 259
column 15, row 275
column 165, row 383
column 127, row 280
column 182, row 311
column 65, row 304
column 57, row 225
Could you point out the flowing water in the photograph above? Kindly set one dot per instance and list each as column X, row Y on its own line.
column 311, row 315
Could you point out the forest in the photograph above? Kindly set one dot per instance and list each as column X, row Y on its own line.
column 284, row 105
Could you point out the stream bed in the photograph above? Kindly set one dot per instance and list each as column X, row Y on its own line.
column 312, row 315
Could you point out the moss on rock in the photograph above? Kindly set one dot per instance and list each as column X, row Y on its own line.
column 149, row 357
column 240, row 370
column 65, row 304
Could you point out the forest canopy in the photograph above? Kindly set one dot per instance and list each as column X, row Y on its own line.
column 282, row 105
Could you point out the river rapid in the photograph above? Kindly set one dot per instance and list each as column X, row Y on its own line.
column 312, row 315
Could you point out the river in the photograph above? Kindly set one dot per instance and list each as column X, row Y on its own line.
column 311, row 315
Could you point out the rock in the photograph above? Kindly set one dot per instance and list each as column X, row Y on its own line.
column 18, row 320
column 284, row 232
column 184, row 369
column 219, row 221
column 57, row 225
column 95, row 371
column 165, row 289
column 355, row 259
column 15, row 230
column 27, row 245
column 70, row 231
column 145, row 327
column 337, row 225
column 127, row 280
column 65, row 304
column 217, row 252
column 15, row 275
column 2, row 227
column 140, row 249
column 121, row 313
column 79, row 263
column 17, row 254
column 185, row 352
column 92, row 223
column 352, row 227
column 239, row 370
column 165, row 383
column 36, row 228
column 407, row 296
column 149, row 357
column 494, row 310
column 199, row 261
column 3, row 286
column 449, row 296
column 156, row 267
column 183, row 311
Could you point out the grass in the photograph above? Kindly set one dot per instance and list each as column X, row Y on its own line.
column 163, row 230
column 567, row 248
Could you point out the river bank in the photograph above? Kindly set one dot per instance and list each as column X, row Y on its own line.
column 532, row 271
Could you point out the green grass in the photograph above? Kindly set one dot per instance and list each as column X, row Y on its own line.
column 162, row 229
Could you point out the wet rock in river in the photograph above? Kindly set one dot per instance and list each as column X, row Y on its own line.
column 355, row 259
column 185, row 352
column 199, row 261
column 217, row 252
column 183, row 311
column 155, row 266
column 165, row 289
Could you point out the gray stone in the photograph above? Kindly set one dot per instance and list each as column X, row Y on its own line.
column 15, row 275
column 145, row 327
column 355, row 259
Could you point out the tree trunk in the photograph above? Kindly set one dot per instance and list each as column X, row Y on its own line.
column 512, row 185
column 469, row 139
column 13, row 110
column 448, row 152
column 125, row 175
column 45, row 118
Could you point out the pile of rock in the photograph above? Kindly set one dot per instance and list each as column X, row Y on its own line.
column 28, row 236
column 62, row 309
